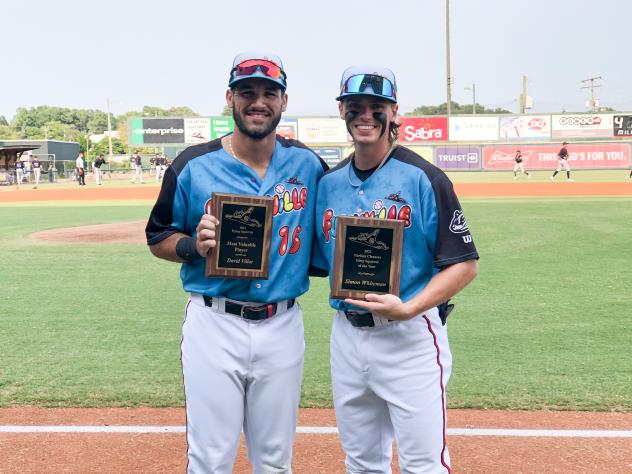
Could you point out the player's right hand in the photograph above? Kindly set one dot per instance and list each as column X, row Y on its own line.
column 205, row 239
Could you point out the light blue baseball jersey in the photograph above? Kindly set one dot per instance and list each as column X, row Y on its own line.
column 407, row 188
column 291, row 179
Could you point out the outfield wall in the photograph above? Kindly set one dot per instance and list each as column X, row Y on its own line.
column 472, row 142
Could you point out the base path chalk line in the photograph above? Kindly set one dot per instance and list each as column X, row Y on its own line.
column 325, row 430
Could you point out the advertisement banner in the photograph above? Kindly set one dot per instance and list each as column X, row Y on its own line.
column 322, row 130
column 544, row 157
column 520, row 127
column 458, row 157
column 423, row 129
column 581, row 125
column 197, row 130
column 156, row 131
column 424, row 151
column 221, row 126
column 288, row 128
column 331, row 156
column 622, row 125
column 473, row 128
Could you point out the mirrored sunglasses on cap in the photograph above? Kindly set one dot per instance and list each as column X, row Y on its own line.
column 360, row 83
column 251, row 67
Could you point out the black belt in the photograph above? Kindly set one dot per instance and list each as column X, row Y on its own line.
column 360, row 320
column 251, row 312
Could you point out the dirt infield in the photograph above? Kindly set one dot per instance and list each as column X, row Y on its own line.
column 120, row 232
column 110, row 452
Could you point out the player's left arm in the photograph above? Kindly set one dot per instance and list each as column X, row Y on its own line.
column 443, row 286
column 454, row 254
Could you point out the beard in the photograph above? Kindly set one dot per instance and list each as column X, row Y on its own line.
column 256, row 133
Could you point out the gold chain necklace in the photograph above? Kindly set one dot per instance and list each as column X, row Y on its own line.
column 230, row 145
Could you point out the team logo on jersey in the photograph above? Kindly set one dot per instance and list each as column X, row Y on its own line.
column 370, row 240
column 294, row 180
column 458, row 225
column 378, row 211
column 395, row 197
column 288, row 200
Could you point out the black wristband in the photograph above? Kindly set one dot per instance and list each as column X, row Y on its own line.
column 186, row 249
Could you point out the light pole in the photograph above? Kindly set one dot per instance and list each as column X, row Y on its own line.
column 590, row 84
column 473, row 89
column 109, row 131
column 447, row 54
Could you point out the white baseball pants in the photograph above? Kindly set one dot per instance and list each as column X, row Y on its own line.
column 389, row 384
column 563, row 165
column 241, row 374
column 138, row 173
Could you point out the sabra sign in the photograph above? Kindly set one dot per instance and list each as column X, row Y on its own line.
column 580, row 156
column 423, row 129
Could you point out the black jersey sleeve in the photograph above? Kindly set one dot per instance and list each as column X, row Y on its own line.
column 159, row 226
column 454, row 241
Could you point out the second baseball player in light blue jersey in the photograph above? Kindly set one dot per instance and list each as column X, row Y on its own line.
column 390, row 357
column 291, row 180
column 407, row 188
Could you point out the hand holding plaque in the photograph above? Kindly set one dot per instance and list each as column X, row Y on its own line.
column 367, row 257
column 243, row 236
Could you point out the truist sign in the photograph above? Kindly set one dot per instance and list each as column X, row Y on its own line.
column 423, row 129
column 458, row 157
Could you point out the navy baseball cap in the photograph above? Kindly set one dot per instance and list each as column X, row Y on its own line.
column 368, row 80
column 258, row 65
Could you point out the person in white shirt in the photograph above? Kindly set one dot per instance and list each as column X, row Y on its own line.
column 80, row 167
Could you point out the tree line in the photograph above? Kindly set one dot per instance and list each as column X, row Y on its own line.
column 60, row 123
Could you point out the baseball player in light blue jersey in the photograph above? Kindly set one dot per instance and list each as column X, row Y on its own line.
column 390, row 357
column 242, row 340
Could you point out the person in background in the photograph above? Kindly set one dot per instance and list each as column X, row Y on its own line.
column 562, row 163
column 96, row 167
column 80, row 166
column 19, row 172
column 37, row 170
column 519, row 166
column 137, row 164
column 51, row 170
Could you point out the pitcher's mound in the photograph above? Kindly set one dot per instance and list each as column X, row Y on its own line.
column 120, row 232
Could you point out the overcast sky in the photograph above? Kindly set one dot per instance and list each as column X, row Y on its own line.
column 77, row 54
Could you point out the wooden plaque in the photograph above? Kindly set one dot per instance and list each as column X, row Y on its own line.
column 243, row 236
column 367, row 257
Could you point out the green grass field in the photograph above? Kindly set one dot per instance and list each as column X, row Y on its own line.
column 547, row 324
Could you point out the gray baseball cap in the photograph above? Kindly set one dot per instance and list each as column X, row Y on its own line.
column 368, row 80
column 260, row 65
